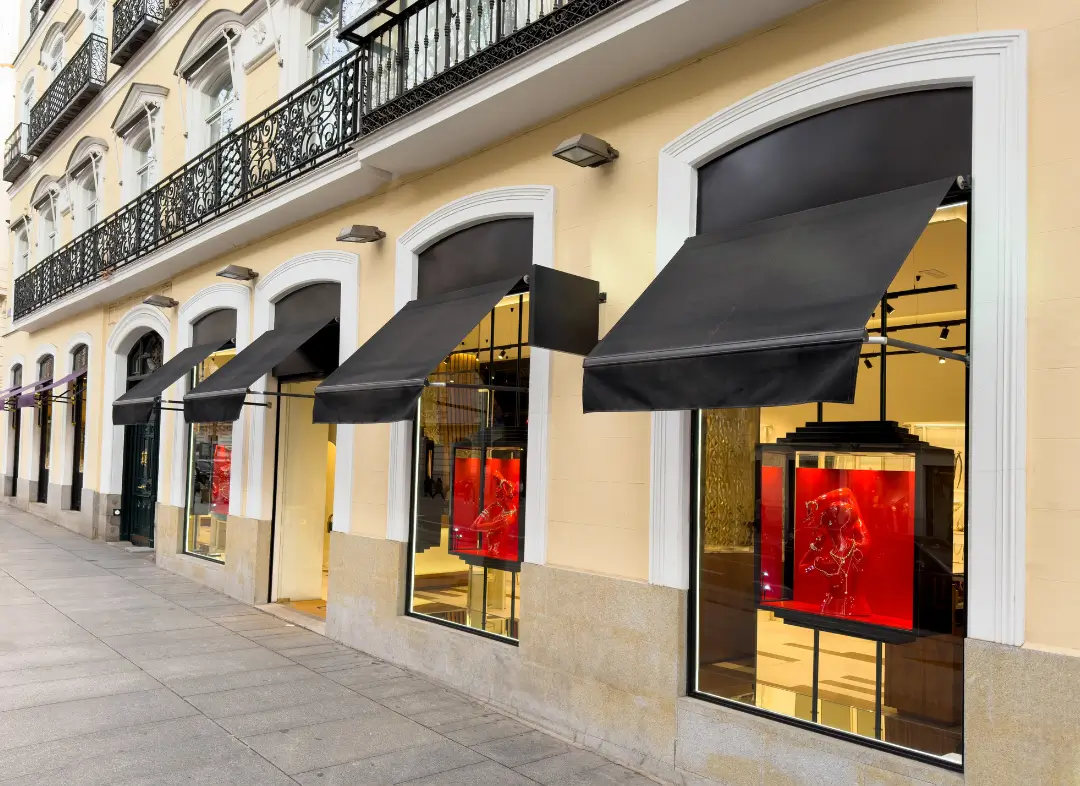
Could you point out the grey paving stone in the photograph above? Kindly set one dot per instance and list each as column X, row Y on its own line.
column 366, row 675
column 561, row 767
column 207, row 600
column 394, row 767
column 146, row 765
column 24, row 601
column 326, row 744
column 67, row 671
column 223, row 662
column 335, row 661
column 34, row 694
column 217, row 612
column 498, row 729
column 243, row 769
column 23, row 627
column 120, row 622
column 68, row 719
column 314, row 649
column 398, row 686
column 522, row 749
column 296, row 716
column 268, row 697
column 478, row 720
column 425, row 701
column 253, row 622
column 9, row 588
column 241, row 678
column 143, row 647
column 608, row 775
column 450, row 715
column 55, row 655
column 283, row 641
column 484, row 774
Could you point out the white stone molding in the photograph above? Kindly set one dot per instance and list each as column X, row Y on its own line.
column 314, row 267
column 236, row 297
column 64, row 457
column 136, row 323
column 43, row 350
column 994, row 65
column 9, row 453
column 538, row 203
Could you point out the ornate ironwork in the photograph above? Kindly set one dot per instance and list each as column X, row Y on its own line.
column 16, row 159
column 73, row 87
column 424, row 53
column 134, row 21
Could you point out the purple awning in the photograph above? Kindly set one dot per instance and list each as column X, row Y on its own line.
column 28, row 398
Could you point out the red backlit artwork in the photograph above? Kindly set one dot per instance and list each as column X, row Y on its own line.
column 492, row 531
column 854, row 547
column 219, row 480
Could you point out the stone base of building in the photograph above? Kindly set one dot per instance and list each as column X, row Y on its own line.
column 598, row 662
column 87, row 521
column 245, row 572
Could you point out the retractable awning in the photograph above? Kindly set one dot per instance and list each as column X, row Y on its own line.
column 137, row 405
column 17, row 393
column 767, row 314
column 382, row 380
column 28, row 399
column 220, row 397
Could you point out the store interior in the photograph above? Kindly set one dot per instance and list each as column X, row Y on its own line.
column 468, row 528
column 307, row 455
column 898, row 686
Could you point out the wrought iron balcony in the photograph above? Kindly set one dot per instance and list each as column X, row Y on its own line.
column 134, row 21
column 421, row 55
column 16, row 159
column 72, row 89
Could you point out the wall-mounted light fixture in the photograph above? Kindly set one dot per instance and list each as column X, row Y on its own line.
column 360, row 233
column 586, row 150
column 161, row 301
column 237, row 273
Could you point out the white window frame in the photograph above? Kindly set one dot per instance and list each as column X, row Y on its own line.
column 29, row 97
column 21, row 253
column 87, row 192
column 202, row 86
column 320, row 35
column 95, row 17
column 147, row 131
column 54, row 55
column 48, row 235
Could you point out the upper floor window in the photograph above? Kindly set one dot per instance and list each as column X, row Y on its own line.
column 28, row 96
column 221, row 108
column 53, row 55
column 97, row 17
column 324, row 48
column 87, row 194
column 22, row 250
column 48, row 226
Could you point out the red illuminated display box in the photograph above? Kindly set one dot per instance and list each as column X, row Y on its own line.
column 854, row 531
column 486, row 515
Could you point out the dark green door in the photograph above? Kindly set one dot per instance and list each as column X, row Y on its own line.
column 139, row 495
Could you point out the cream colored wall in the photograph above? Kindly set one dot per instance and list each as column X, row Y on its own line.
column 605, row 227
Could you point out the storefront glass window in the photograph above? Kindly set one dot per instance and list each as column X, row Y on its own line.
column 468, row 533
column 209, row 473
column 830, row 581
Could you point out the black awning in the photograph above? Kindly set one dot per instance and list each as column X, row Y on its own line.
column 382, row 380
column 767, row 314
column 220, row 397
column 137, row 405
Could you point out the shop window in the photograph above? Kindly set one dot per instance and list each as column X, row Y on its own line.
column 829, row 554
column 44, row 410
column 77, row 403
column 15, row 431
column 468, row 523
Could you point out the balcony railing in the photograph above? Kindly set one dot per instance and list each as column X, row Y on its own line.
column 72, row 89
column 421, row 55
column 37, row 12
column 134, row 21
column 16, row 159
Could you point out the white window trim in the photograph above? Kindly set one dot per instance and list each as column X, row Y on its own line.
column 214, row 298
column 21, row 253
column 995, row 66
column 89, row 174
column 29, row 90
column 339, row 267
column 199, row 106
column 50, row 203
column 148, row 128
column 49, row 60
column 537, row 203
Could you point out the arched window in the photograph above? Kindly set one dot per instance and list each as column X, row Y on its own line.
column 48, row 226
column 29, row 95
column 22, row 250
column 53, row 54
column 86, row 192
column 145, row 357
column 96, row 17
column 220, row 115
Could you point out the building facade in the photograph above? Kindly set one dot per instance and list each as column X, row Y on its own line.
column 738, row 455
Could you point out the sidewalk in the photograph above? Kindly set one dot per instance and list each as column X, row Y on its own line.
column 113, row 671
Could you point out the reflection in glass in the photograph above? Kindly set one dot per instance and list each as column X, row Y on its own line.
column 209, row 474
column 468, row 499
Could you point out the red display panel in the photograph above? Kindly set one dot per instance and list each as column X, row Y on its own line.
column 219, row 480
column 493, row 531
column 772, row 533
column 854, row 548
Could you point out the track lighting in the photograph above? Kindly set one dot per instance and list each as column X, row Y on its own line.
column 866, row 362
column 889, row 309
column 944, row 333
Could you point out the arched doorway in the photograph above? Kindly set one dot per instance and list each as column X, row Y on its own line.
column 139, row 491
column 44, row 418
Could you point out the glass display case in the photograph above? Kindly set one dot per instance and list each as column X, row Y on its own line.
column 854, row 531
column 485, row 524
